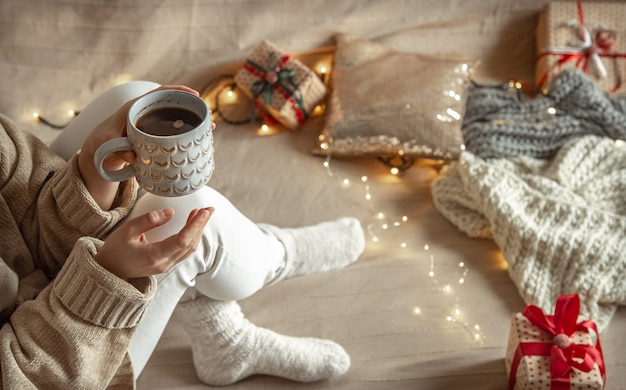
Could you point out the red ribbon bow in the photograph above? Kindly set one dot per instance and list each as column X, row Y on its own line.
column 270, row 79
column 564, row 355
column 590, row 50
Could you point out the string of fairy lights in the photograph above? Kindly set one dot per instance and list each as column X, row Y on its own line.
column 232, row 107
column 382, row 226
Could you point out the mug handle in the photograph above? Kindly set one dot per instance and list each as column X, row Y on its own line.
column 110, row 146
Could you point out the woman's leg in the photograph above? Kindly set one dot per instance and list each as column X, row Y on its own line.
column 229, row 239
column 227, row 348
column 236, row 258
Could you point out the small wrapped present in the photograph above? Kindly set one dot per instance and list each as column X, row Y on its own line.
column 585, row 35
column 282, row 85
column 560, row 351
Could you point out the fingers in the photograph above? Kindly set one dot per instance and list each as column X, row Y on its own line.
column 127, row 253
column 187, row 240
column 129, row 156
column 192, row 214
column 141, row 224
column 179, row 246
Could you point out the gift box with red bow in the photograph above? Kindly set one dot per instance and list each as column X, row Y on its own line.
column 559, row 351
column 280, row 84
column 585, row 35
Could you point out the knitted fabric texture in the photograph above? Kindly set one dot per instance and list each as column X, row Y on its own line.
column 560, row 223
column 228, row 348
column 497, row 123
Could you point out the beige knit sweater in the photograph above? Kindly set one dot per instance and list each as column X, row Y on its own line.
column 65, row 321
column 560, row 223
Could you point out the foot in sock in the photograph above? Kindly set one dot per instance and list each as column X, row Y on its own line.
column 318, row 248
column 227, row 348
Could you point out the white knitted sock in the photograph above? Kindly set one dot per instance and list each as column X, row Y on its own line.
column 319, row 248
column 227, row 348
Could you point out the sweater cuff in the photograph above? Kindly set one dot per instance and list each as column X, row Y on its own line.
column 96, row 295
column 78, row 206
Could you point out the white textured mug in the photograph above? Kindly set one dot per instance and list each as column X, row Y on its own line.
column 171, row 133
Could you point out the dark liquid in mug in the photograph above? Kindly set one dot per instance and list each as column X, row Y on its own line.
column 168, row 121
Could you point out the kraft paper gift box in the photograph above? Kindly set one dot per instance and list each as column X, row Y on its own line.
column 281, row 84
column 560, row 351
column 585, row 35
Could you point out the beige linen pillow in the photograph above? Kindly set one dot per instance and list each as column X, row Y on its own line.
column 385, row 103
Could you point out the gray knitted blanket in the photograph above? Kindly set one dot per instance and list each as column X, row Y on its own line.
column 497, row 123
column 560, row 223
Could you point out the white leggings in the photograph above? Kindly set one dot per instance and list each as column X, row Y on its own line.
column 235, row 259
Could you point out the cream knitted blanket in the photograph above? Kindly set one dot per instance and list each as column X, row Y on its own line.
column 560, row 223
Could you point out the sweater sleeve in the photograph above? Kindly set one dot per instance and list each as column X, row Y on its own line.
column 75, row 334
column 46, row 203
column 66, row 211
